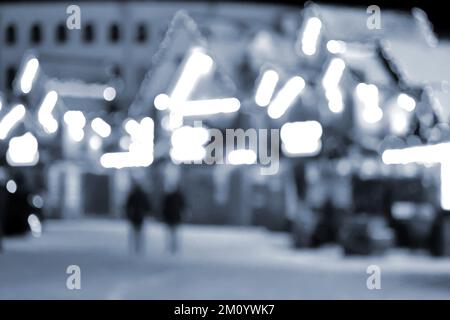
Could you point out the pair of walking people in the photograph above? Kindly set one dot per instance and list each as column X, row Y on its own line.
column 138, row 204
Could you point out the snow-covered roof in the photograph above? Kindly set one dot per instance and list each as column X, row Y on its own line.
column 419, row 64
column 350, row 23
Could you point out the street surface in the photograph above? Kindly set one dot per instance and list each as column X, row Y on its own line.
column 214, row 263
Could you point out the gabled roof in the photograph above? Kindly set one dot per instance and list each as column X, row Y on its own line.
column 182, row 35
column 365, row 59
column 63, row 66
column 419, row 64
column 350, row 23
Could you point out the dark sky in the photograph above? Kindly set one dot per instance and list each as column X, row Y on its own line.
column 436, row 9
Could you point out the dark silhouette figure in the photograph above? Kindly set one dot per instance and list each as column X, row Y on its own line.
column 173, row 207
column 3, row 194
column 136, row 206
column 327, row 227
column 17, row 208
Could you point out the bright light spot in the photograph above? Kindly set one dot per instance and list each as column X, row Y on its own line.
column 142, row 138
column 125, row 142
column 175, row 120
column 286, row 97
column 186, row 134
column 311, row 36
column 330, row 82
column 406, row 102
column 165, row 122
column 75, row 121
column 10, row 120
column 243, row 156
column 335, row 100
column 23, row 151
column 11, row 186
column 361, row 90
column 398, row 121
column 37, row 202
column 301, row 138
column 72, row 88
column 95, row 143
column 101, row 127
column 427, row 154
column 208, row 107
column 181, row 154
column 35, row 225
column 162, row 101
column 141, row 147
column 368, row 94
column 334, row 73
column 76, row 134
column 197, row 65
column 266, row 88
column 402, row 210
column 336, row 46
column 180, row 109
column 187, row 144
column 369, row 167
column 119, row 160
column 28, row 75
column 445, row 185
column 292, row 131
column 109, row 93
column 45, row 116
column 307, row 148
column 372, row 115
column 344, row 167
column 131, row 126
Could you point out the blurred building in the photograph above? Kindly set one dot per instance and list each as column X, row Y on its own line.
column 340, row 93
column 124, row 35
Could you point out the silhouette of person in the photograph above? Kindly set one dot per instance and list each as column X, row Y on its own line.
column 3, row 194
column 17, row 207
column 136, row 206
column 173, row 207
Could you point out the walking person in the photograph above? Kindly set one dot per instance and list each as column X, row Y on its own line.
column 2, row 210
column 3, row 194
column 136, row 206
column 17, row 207
column 173, row 207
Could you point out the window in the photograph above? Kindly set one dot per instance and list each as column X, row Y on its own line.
column 112, row 107
column 141, row 34
column 36, row 34
column 114, row 33
column 88, row 34
column 10, row 75
column 61, row 33
column 10, row 34
column 116, row 71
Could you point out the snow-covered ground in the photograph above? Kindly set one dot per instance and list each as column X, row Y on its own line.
column 215, row 263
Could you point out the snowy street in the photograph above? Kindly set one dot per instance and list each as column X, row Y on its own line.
column 215, row 263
